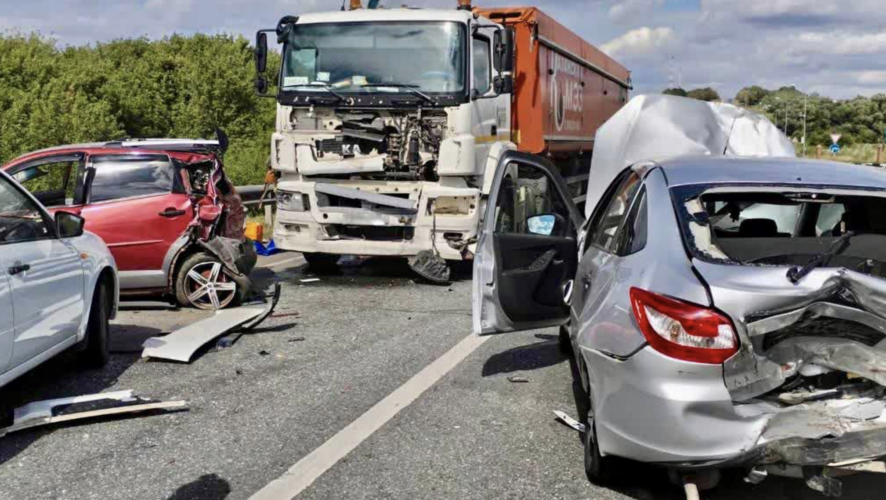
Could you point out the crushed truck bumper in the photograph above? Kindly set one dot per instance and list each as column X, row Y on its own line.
column 377, row 218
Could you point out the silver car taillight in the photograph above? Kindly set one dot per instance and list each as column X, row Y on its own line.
column 682, row 330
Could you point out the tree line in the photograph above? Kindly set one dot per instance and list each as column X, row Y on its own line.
column 180, row 86
column 861, row 120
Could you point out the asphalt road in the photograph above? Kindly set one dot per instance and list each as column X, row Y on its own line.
column 333, row 350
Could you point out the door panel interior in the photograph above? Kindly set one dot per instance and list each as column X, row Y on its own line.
column 533, row 269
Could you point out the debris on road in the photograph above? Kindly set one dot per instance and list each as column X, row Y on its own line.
column 264, row 353
column 296, row 339
column 571, row 422
column 310, row 280
column 518, row 380
column 181, row 344
column 266, row 251
column 52, row 411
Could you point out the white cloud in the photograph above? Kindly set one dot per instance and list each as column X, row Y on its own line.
column 639, row 42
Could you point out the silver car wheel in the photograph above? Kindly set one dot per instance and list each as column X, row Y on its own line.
column 209, row 286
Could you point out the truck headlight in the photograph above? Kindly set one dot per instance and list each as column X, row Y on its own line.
column 294, row 202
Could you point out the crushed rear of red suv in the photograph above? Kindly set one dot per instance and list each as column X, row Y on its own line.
column 171, row 218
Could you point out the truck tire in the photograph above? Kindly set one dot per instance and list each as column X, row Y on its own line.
column 203, row 282
column 321, row 261
column 95, row 349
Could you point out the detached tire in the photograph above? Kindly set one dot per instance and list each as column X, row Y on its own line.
column 95, row 353
column 203, row 282
column 321, row 261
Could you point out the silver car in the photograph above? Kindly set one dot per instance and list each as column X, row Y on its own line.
column 722, row 312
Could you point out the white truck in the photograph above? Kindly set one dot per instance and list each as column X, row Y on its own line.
column 390, row 123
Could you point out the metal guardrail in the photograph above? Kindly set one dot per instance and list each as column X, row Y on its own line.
column 252, row 194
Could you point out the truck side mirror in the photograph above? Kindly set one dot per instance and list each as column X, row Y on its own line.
column 261, row 85
column 504, row 48
column 261, row 52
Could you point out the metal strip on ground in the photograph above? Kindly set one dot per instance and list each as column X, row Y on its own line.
column 301, row 475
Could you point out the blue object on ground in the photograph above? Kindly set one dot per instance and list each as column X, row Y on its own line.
column 266, row 251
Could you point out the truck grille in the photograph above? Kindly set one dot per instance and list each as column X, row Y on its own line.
column 371, row 233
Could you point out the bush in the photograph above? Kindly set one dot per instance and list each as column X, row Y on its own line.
column 180, row 86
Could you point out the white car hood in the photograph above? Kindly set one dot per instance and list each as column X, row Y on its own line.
column 656, row 127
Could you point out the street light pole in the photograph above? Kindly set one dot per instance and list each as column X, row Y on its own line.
column 805, row 107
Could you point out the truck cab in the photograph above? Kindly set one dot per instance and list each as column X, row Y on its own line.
column 390, row 123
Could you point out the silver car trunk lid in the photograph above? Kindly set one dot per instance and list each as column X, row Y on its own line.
column 833, row 319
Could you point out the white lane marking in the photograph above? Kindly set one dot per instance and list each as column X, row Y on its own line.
column 287, row 261
column 308, row 469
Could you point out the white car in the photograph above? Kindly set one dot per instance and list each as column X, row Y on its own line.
column 58, row 285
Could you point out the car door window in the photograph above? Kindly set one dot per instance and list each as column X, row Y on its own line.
column 635, row 228
column 21, row 219
column 482, row 69
column 53, row 182
column 529, row 204
column 607, row 222
column 118, row 177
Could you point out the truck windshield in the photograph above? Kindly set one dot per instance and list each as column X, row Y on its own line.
column 362, row 57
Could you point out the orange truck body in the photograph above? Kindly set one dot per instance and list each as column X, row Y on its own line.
column 565, row 88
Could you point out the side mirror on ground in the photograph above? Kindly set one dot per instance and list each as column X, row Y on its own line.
column 69, row 225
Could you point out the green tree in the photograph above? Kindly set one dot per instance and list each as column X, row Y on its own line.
column 751, row 96
column 676, row 91
column 175, row 87
column 704, row 94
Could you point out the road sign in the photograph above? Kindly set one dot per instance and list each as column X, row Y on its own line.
column 835, row 138
column 835, row 149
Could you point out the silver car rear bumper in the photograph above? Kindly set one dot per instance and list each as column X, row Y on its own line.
column 657, row 409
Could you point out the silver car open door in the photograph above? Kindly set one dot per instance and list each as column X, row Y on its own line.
column 526, row 253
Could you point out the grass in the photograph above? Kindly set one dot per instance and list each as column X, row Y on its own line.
column 856, row 153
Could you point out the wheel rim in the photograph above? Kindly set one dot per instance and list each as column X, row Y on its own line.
column 209, row 286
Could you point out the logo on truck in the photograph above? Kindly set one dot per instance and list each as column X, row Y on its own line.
column 567, row 94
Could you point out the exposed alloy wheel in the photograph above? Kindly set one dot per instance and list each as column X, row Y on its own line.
column 204, row 283
column 95, row 352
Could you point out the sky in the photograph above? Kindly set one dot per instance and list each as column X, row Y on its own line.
column 836, row 48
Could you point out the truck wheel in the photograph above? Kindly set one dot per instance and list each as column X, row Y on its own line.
column 203, row 282
column 321, row 261
column 95, row 352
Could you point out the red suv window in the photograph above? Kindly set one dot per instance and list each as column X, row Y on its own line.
column 118, row 177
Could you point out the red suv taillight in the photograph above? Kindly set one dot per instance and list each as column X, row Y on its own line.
column 682, row 330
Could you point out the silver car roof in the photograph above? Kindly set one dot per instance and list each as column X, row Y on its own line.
column 789, row 171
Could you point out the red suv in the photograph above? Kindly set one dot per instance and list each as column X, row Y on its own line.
column 165, row 208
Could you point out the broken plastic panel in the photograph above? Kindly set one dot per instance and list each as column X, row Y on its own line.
column 53, row 411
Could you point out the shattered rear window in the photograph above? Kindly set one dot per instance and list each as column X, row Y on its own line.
column 783, row 226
